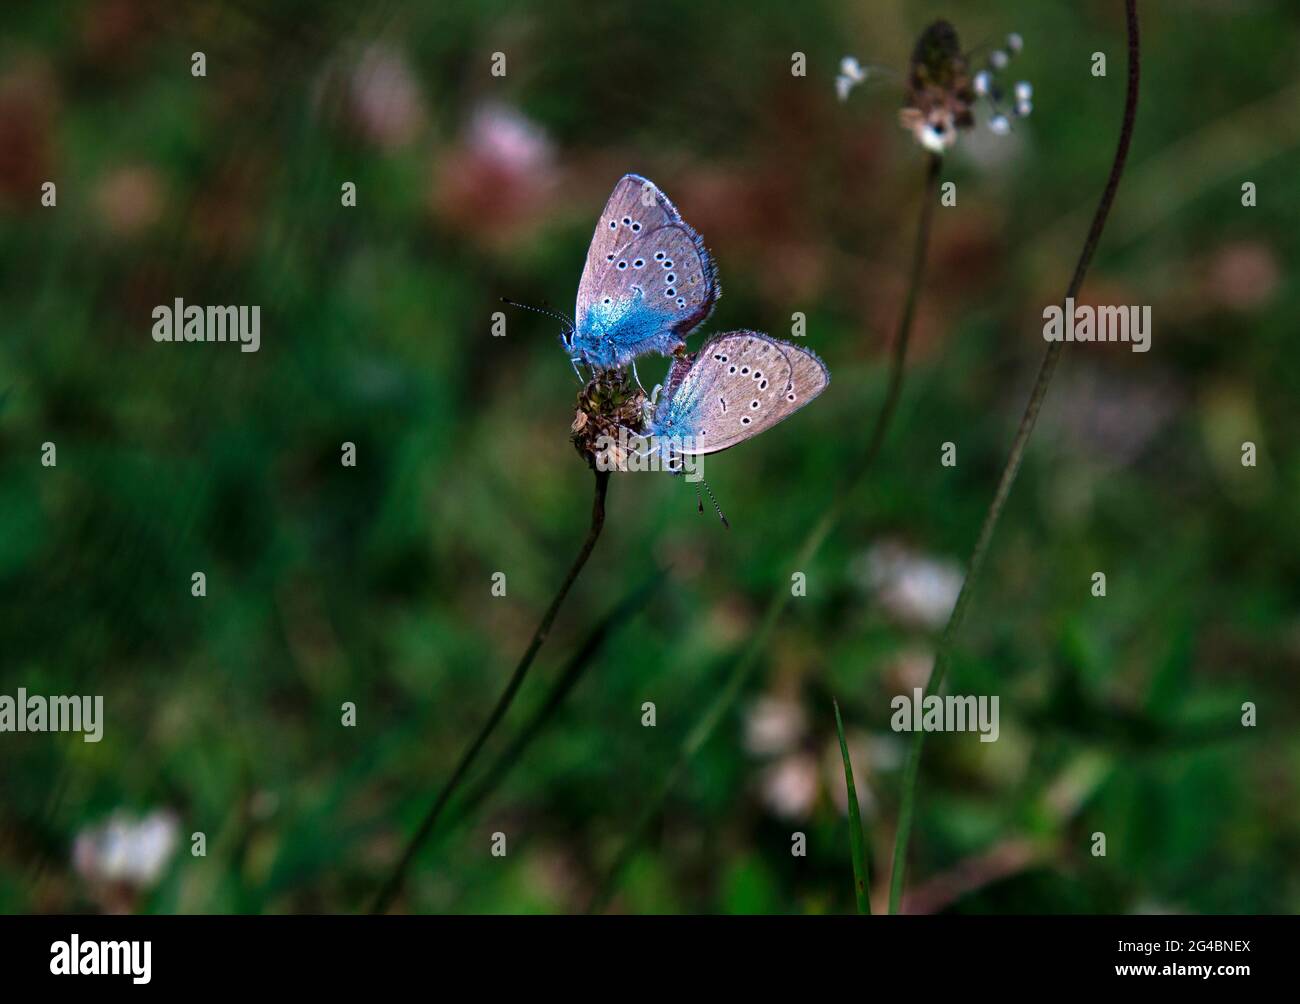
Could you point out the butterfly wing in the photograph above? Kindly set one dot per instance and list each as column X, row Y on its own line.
column 740, row 384
column 648, row 279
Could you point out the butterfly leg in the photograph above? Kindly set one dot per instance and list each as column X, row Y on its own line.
column 636, row 377
column 648, row 407
column 632, row 434
column 574, row 362
column 651, row 448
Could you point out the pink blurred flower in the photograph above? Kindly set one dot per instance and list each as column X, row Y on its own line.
column 1109, row 416
column 774, row 725
column 384, row 101
column 1243, row 275
column 129, row 200
column 496, row 180
column 795, row 778
column 914, row 588
column 789, row 786
column 908, row 669
column 28, row 105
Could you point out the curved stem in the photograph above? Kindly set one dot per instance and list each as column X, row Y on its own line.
column 892, row 393
column 394, row 883
column 559, row 691
column 1045, row 370
column 749, row 659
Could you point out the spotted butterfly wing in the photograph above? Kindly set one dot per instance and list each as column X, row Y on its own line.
column 740, row 384
column 648, row 280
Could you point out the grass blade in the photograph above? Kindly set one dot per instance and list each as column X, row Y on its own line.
column 857, row 840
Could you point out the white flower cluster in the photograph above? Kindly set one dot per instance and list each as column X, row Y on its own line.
column 127, row 850
column 851, row 74
column 986, row 86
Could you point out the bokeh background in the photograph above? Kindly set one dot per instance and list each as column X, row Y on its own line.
column 373, row 584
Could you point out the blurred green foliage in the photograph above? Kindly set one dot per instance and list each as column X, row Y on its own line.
column 372, row 584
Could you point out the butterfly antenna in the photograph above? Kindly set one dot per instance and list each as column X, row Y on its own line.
column 542, row 310
column 716, row 508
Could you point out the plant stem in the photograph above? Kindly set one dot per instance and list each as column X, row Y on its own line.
column 857, row 841
column 394, row 883
column 1045, row 370
column 560, row 689
column 749, row 659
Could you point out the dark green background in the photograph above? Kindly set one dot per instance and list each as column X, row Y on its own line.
column 371, row 584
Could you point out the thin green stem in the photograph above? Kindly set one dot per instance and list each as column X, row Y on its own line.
column 557, row 694
column 857, row 840
column 943, row 653
column 395, row 880
column 749, row 659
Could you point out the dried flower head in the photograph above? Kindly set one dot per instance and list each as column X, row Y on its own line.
column 610, row 403
column 941, row 91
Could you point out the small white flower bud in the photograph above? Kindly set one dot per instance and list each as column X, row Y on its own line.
column 932, row 139
column 999, row 59
column 1023, row 108
column 983, row 82
column 1024, row 90
column 1014, row 42
column 1000, row 125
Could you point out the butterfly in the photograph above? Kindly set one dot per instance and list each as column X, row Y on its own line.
column 739, row 384
column 647, row 283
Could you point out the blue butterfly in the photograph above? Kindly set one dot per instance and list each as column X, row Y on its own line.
column 739, row 384
column 648, row 281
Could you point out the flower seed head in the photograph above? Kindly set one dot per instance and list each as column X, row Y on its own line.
column 608, row 404
column 939, row 92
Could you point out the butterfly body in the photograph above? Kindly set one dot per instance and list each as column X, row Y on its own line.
column 613, row 334
column 738, row 385
column 647, row 283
